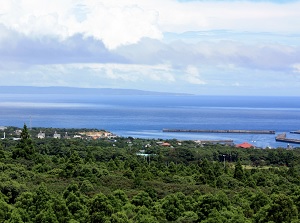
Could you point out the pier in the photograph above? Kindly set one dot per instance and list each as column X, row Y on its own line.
column 282, row 138
column 221, row 131
column 226, row 142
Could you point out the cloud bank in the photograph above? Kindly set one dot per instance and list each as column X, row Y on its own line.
column 201, row 47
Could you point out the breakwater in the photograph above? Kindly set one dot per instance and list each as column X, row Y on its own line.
column 227, row 142
column 282, row 138
column 221, row 131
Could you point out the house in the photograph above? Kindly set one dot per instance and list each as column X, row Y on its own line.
column 2, row 128
column 18, row 132
column 41, row 135
column 166, row 144
column 245, row 145
column 67, row 136
column 77, row 136
column 56, row 135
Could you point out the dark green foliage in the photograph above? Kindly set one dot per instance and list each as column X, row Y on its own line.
column 281, row 209
column 172, row 207
column 238, row 171
column 25, row 147
column 79, row 181
column 209, row 202
column 142, row 199
column 5, row 211
column 100, row 208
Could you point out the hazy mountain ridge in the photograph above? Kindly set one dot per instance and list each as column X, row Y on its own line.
column 74, row 90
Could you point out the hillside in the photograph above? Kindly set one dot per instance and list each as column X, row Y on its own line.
column 139, row 180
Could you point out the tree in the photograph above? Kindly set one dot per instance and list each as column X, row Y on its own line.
column 259, row 200
column 119, row 217
column 100, row 208
column 173, row 207
column 25, row 147
column 238, row 171
column 142, row 198
column 5, row 211
column 282, row 209
column 209, row 202
column 118, row 199
column 46, row 215
column 15, row 217
column 73, row 166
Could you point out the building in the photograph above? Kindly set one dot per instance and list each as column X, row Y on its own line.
column 67, row 136
column 41, row 135
column 166, row 144
column 2, row 128
column 56, row 135
column 18, row 132
column 77, row 136
column 245, row 145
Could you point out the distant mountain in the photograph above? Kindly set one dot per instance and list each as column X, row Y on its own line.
column 73, row 90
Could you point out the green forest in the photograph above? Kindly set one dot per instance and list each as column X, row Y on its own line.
column 138, row 180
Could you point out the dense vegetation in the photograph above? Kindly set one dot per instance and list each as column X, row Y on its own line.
column 75, row 180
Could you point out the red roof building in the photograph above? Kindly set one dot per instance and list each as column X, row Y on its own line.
column 166, row 144
column 245, row 145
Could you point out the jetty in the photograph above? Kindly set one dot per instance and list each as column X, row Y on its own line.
column 282, row 138
column 226, row 142
column 221, row 131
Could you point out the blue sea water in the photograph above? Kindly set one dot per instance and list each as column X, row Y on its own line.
column 144, row 116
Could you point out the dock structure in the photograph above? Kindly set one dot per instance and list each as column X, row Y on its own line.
column 221, row 131
column 282, row 138
column 226, row 142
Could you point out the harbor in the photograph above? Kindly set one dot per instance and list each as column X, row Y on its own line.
column 221, row 131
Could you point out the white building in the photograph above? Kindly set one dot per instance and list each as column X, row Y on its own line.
column 2, row 128
column 41, row 135
column 56, row 135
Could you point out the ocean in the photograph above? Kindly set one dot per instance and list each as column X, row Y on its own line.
column 144, row 116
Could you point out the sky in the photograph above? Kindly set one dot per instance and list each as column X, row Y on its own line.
column 212, row 47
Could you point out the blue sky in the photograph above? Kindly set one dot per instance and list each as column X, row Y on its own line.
column 200, row 47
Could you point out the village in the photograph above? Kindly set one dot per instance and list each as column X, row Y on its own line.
column 14, row 133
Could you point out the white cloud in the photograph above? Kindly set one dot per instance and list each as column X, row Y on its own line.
column 125, row 22
column 113, row 43
column 193, row 76
column 113, row 24
column 226, row 54
column 233, row 15
column 117, row 26
column 93, row 75
column 296, row 67
column 132, row 72
column 156, row 78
